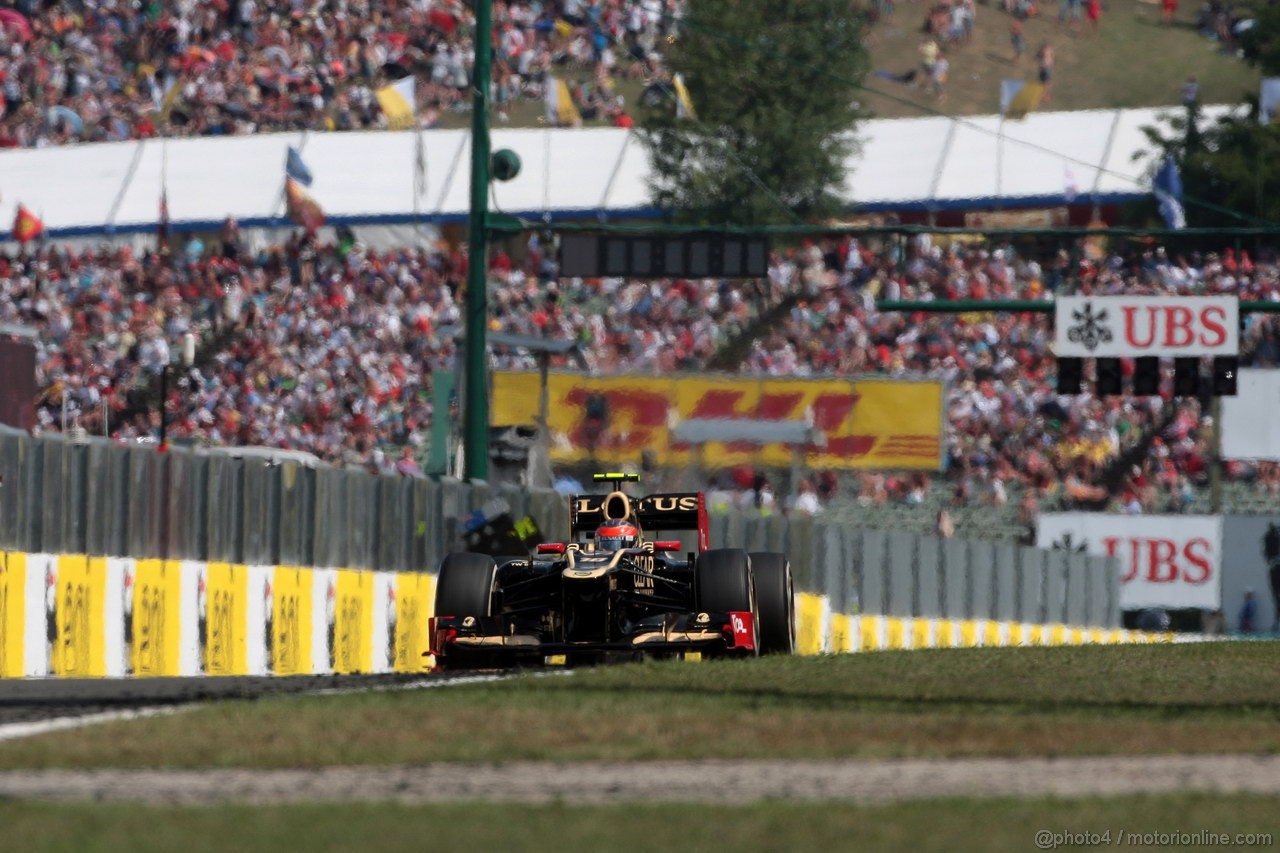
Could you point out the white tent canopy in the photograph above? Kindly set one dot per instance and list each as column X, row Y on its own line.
column 369, row 178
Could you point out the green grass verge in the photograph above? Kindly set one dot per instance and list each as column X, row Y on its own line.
column 1132, row 61
column 1221, row 697
column 943, row 825
column 1116, row 67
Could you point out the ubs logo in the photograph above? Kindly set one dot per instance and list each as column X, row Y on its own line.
column 1090, row 329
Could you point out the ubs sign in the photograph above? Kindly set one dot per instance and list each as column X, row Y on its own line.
column 1132, row 326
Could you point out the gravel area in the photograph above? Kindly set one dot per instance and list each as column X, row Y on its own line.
column 701, row 781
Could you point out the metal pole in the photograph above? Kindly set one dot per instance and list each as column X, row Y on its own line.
column 1215, row 469
column 475, row 400
column 164, row 395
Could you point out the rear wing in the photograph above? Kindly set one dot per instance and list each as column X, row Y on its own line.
column 671, row 511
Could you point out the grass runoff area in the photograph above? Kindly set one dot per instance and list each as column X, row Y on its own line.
column 1155, row 699
column 1131, row 61
column 941, row 825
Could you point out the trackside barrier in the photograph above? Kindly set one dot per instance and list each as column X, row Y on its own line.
column 124, row 561
column 821, row 631
column 73, row 615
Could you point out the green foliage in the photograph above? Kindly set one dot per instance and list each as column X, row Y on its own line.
column 774, row 124
column 1261, row 43
column 1227, row 165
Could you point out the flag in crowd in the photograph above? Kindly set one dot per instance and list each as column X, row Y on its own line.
column 1018, row 97
column 162, row 224
column 1268, row 100
column 303, row 209
column 398, row 104
column 1167, row 186
column 684, row 104
column 171, row 96
column 26, row 226
column 561, row 110
column 295, row 168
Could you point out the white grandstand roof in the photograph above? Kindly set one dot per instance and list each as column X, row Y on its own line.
column 367, row 178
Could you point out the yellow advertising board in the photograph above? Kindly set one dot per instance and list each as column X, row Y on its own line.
column 872, row 424
column 13, row 585
column 291, row 596
column 414, row 601
column 156, row 618
column 78, row 616
column 226, row 620
column 353, row 623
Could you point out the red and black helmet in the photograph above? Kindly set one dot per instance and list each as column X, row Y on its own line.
column 616, row 534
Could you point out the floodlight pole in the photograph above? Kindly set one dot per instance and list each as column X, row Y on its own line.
column 475, row 389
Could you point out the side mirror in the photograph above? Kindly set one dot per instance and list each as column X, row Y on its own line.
column 551, row 548
column 667, row 545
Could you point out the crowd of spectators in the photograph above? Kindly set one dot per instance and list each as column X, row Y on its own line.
column 329, row 348
column 103, row 70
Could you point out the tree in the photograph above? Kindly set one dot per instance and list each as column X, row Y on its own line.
column 1225, row 166
column 769, row 81
column 1261, row 42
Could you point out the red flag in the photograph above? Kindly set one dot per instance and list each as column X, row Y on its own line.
column 26, row 226
column 302, row 208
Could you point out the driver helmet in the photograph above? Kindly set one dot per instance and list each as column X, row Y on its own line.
column 616, row 534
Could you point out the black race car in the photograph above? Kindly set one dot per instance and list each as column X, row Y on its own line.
column 603, row 597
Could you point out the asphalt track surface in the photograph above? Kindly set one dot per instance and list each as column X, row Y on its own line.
column 36, row 700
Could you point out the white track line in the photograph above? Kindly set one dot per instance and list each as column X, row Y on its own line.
column 14, row 731
column 32, row 728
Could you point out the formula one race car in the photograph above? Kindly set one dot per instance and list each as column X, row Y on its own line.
column 613, row 594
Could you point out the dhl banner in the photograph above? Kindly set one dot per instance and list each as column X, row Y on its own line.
column 865, row 424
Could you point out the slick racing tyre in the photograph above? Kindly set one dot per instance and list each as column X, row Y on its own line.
column 465, row 587
column 723, row 583
column 776, row 600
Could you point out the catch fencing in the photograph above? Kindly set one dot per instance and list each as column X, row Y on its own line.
column 101, row 499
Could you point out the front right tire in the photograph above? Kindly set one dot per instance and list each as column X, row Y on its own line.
column 723, row 582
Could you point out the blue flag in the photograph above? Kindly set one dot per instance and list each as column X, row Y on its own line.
column 1167, row 186
column 295, row 168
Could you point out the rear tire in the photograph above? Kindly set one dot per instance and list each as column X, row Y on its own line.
column 465, row 587
column 775, row 596
column 723, row 583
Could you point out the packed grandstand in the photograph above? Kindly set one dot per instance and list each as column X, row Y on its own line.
column 329, row 347
column 88, row 72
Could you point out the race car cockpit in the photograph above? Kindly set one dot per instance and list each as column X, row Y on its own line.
column 617, row 534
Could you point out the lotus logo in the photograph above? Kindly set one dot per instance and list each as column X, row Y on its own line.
column 1090, row 328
